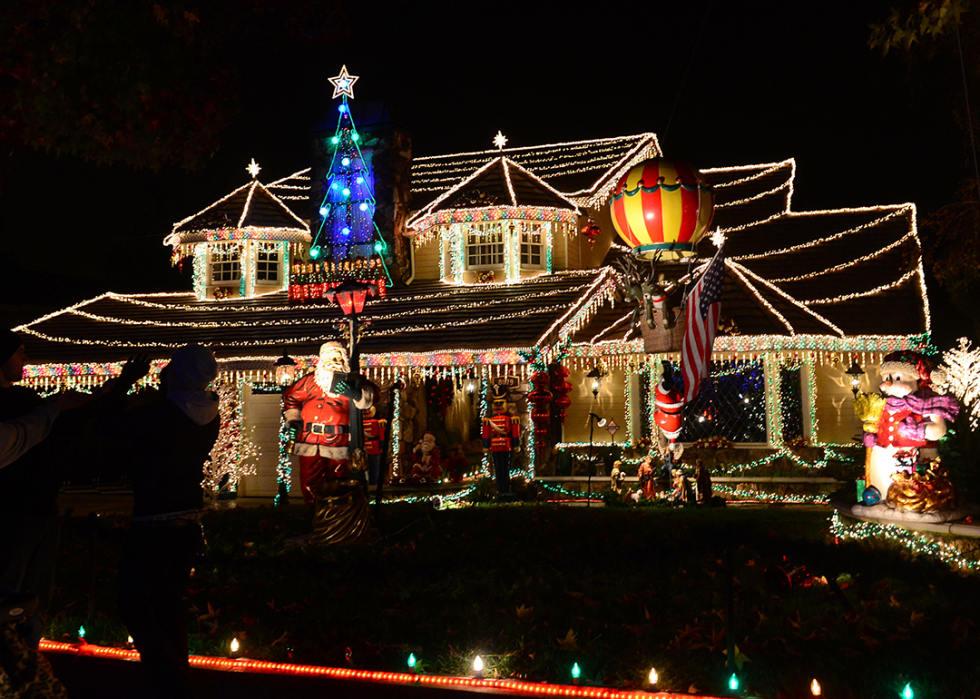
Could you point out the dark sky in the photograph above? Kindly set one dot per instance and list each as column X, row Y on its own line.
column 721, row 84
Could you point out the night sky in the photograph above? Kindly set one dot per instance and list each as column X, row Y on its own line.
column 720, row 83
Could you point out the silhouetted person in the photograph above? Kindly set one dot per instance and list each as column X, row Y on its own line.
column 164, row 446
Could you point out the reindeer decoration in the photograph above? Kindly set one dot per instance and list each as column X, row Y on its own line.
column 639, row 283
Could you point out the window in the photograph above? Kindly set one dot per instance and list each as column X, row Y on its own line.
column 267, row 264
column 531, row 248
column 225, row 266
column 484, row 248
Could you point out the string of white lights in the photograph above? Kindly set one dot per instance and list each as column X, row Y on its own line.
column 849, row 263
column 739, row 269
column 893, row 213
column 308, row 319
column 759, row 296
column 755, row 197
column 861, row 294
column 609, row 328
column 764, row 170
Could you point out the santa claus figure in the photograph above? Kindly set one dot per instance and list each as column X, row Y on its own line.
column 426, row 467
column 669, row 414
column 317, row 408
column 913, row 420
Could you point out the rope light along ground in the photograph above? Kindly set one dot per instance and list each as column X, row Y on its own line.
column 266, row 668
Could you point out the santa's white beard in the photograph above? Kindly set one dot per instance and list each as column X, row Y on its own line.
column 323, row 376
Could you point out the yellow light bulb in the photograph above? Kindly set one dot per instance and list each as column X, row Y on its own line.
column 653, row 677
column 478, row 664
column 234, row 645
column 815, row 688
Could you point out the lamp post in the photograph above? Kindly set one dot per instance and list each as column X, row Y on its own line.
column 593, row 420
column 351, row 296
column 855, row 372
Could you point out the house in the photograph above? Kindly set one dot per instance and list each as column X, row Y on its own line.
column 496, row 280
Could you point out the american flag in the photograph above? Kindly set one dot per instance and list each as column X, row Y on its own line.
column 703, row 310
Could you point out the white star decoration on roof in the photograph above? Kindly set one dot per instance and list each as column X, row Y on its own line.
column 253, row 169
column 500, row 140
column 343, row 84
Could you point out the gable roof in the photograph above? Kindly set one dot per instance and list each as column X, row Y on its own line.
column 581, row 169
column 250, row 208
column 500, row 184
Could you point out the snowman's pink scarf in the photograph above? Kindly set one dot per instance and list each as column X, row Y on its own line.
column 926, row 402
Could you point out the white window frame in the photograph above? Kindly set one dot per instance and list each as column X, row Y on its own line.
column 534, row 229
column 231, row 256
column 486, row 236
column 273, row 264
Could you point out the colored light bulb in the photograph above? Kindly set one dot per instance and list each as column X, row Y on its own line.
column 576, row 671
column 653, row 677
column 907, row 693
column 733, row 683
column 346, row 192
column 345, row 162
column 363, row 206
column 411, row 660
column 324, row 210
column 478, row 664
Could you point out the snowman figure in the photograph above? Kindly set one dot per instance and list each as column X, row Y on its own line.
column 913, row 420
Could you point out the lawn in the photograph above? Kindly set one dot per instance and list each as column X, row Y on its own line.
column 535, row 589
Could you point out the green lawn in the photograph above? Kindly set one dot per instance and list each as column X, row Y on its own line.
column 534, row 589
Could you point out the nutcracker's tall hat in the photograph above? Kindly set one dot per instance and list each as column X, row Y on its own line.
column 498, row 395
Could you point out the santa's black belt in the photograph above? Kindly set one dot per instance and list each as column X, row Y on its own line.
column 317, row 428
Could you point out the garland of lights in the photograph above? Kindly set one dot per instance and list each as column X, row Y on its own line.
column 742, row 493
column 284, row 467
column 763, row 170
column 743, row 271
column 774, row 416
column 940, row 550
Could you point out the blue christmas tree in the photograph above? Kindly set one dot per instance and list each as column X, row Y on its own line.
column 346, row 226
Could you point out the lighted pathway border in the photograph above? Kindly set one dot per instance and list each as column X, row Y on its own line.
column 392, row 678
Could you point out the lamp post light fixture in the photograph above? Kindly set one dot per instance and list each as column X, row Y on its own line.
column 351, row 296
column 285, row 370
column 595, row 377
column 855, row 372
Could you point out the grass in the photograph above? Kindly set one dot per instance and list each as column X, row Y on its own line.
column 534, row 589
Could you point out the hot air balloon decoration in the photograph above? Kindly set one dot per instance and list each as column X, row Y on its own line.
column 662, row 206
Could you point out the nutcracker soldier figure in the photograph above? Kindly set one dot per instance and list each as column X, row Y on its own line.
column 317, row 407
column 374, row 434
column 501, row 438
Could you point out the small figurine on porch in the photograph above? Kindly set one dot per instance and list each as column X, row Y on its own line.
column 501, row 438
column 317, row 407
column 648, row 484
column 617, row 478
column 681, row 488
column 426, row 467
column 703, row 481
column 456, row 463
column 671, row 453
column 374, row 433
column 913, row 420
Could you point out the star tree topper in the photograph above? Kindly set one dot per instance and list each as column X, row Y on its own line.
column 253, row 169
column 343, row 84
column 500, row 140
